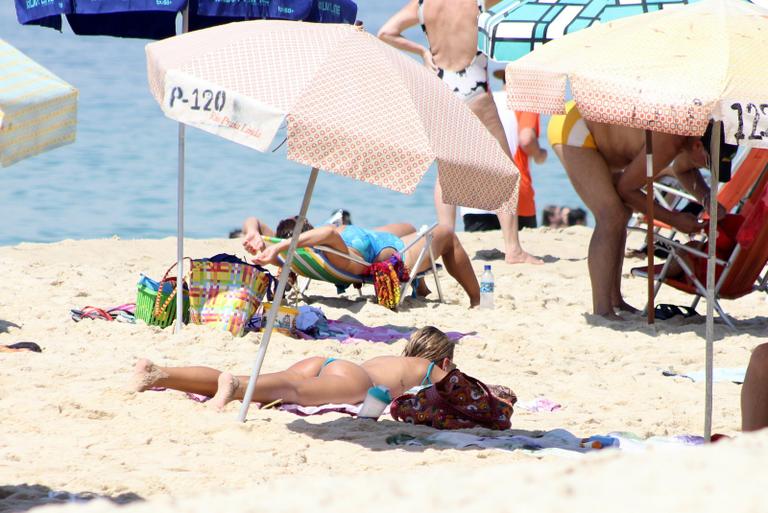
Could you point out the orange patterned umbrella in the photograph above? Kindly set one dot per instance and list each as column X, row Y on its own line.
column 352, row 105
column 669, row 71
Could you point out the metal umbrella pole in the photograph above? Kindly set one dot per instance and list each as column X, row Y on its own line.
column 714, row 152
column 277, row 300
column 649, row 242
column 180, row 208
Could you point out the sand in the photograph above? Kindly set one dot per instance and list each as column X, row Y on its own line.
column 71, row 425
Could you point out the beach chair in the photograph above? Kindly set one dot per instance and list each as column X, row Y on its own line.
column 739, row 275
column 312, row 263
column 747, row 173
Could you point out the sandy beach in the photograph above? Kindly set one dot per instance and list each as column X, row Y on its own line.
column 71, row 425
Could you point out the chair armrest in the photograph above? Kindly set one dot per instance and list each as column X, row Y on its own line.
column 676, row 245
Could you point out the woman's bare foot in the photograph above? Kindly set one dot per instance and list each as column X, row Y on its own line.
column 225, row 393
column 521, row 257
column 145, row 375
column 421, row 289
column 623, row 306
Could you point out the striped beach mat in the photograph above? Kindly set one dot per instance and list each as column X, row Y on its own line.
column 38, row 110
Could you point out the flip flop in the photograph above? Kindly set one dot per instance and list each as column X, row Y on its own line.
column 666, row 311
column 29, row 346
column 90, row 312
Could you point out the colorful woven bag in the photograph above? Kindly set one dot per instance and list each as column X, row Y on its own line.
column 455, row 402
column 225, row 291
column 156, row 302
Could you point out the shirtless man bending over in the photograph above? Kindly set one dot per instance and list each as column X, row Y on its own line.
column 606, row 165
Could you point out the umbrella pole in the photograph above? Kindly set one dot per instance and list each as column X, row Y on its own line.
column 281, row 283
column 180, row 234
column 714, row 152
column 180, row 209
column 649, row 243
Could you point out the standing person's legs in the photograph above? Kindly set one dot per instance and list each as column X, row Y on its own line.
column 593, row 181
column 754, row 392
column 446, row 214
column 485, row 109
column 446, row 244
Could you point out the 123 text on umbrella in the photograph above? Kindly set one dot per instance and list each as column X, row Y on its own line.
column 740, row 114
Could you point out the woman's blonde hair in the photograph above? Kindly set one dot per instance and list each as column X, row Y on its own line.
column 430, row 343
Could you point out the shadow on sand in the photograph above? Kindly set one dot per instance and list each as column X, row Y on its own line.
column 24, row 497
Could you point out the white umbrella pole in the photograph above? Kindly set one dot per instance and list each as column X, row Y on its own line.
column 649, row 242
column 180, row 209
column 277, row 300
column 714, row 152
column 180, row 234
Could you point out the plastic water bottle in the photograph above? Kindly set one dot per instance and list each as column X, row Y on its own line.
column 376, row 401
column 486, row 288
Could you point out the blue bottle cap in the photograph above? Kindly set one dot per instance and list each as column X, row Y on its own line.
column 381, row 393
column 487, row 267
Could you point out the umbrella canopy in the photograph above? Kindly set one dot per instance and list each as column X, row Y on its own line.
column 697, row 63
column 153, row 19
column 513, row 28
column 38, row 110
column 353, row 106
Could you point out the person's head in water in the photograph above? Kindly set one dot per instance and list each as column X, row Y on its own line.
column 286, row 226
column 434, row 345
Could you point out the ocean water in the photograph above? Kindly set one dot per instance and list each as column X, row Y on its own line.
column 119, row 177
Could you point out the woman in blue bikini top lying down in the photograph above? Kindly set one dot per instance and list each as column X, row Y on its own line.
column 426, row 359
column 375, row 245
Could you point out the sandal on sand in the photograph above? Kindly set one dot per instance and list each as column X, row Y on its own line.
column 94, row 312
column 666, row 311
column 25, row 346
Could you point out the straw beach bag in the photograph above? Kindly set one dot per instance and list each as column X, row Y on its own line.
column 225, row 291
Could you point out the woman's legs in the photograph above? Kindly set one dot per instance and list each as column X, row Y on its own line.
column 445, row 244
column 338, row 382
column 306, row 382
column 593, row 181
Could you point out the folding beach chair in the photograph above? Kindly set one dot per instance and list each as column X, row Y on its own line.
column 737, row 276
column 747, row 172
column 313, row 264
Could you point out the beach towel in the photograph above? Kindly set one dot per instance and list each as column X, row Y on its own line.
column 312, row 324
column 734, row 375
column 558, row 441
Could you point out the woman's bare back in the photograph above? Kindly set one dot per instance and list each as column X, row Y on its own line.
column 451, row 27
column 398, row 373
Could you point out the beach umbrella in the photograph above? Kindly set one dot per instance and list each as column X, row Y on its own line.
column 154, row 19
column 352, row 104
column 513, row 28
column 38, row 110
column 697, row 64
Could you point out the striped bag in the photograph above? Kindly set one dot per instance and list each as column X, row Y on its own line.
column 225, row 291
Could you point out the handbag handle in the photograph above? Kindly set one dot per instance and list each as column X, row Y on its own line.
column 434, row 394
column 158, row 309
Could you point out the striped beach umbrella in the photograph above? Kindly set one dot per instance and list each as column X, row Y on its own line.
column 38, row 110
column 513, row 28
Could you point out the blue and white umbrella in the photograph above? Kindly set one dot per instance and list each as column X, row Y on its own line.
column 513, row 28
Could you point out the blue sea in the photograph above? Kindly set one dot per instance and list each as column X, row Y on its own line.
column 119, row 177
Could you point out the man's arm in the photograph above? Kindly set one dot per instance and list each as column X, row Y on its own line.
column 665, row 148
